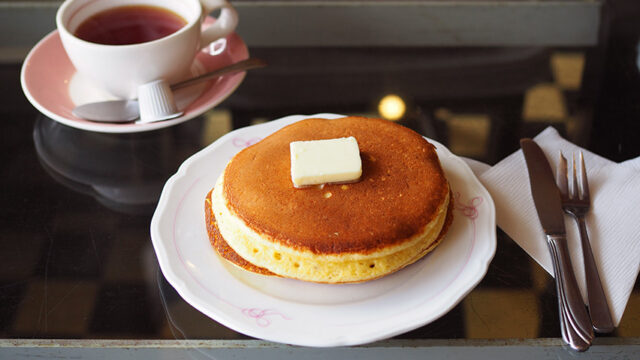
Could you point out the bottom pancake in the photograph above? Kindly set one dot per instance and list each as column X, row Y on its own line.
column 227, row 253
column 221, row 246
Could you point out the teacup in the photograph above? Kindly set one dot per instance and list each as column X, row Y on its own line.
column 138, row 59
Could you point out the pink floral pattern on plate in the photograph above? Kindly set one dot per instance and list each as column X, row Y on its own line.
column 471, row 210
column 243, row 143
column 260, row 315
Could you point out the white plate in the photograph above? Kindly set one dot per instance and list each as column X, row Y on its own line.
column 52, row 85
column 300, row 313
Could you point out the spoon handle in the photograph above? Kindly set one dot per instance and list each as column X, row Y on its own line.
column 239, row 66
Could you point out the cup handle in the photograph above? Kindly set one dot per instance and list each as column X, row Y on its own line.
column 224, row 25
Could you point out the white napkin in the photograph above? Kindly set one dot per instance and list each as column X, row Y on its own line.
column 613, row 222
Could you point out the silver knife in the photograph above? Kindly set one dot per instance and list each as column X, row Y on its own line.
column 575, row 322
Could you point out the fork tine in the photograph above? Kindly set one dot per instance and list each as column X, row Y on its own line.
column 575, row 190
column 561, row 175
column 583, row 180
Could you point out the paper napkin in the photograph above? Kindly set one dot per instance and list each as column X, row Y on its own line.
column 613, row 222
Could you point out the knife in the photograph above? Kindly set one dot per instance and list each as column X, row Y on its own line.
column 574, row 320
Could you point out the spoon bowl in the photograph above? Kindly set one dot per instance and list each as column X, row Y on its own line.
column 112, row 111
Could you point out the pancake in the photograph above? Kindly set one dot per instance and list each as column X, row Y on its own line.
column 395, row 214
column 221, row 246
column 226, row 252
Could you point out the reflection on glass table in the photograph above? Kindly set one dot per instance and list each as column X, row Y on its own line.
column 123, row 172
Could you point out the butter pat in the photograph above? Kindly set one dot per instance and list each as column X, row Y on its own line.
column 325, row 161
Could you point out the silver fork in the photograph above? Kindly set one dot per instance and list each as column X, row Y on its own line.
column 576, row 201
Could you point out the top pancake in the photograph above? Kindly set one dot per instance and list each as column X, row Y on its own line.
column 400, row 191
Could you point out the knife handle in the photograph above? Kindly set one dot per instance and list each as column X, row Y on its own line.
column 569, row 333
column 569, row 296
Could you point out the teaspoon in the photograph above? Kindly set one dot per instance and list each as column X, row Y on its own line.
column 127, row 110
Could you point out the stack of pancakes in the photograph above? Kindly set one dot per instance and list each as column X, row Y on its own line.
column 396, row 213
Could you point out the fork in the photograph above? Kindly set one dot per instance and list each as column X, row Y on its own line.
column 576, row 201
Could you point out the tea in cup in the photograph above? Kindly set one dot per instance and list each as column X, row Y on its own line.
column 129, row 24
column 122, row 44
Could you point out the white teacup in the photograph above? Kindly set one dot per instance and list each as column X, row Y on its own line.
column 120, row 69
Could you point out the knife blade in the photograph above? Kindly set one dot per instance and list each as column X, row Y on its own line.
column 575, row 321
column 543, row 189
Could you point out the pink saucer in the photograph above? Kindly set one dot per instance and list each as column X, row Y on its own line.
column 47, row 74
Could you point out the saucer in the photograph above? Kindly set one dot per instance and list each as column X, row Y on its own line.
column 52, row 85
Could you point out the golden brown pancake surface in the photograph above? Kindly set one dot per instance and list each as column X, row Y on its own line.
column 400, row 191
